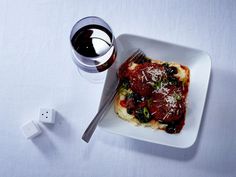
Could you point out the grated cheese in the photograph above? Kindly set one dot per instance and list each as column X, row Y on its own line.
column 167, row 114
column 163, row 90
column 144, row 76
column 155, row 73
column 171, row 103
column 153, row 113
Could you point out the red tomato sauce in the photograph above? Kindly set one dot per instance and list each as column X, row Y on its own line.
column 162, row 93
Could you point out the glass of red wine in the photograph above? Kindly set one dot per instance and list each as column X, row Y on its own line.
column 93, row 47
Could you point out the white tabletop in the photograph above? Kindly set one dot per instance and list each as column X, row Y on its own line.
column 36, row 71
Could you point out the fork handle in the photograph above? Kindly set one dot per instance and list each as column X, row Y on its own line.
column 92, row 126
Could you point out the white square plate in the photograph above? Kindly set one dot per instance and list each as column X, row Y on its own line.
column 199, row 64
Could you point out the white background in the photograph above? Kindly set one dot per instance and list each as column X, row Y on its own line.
column 36, row 71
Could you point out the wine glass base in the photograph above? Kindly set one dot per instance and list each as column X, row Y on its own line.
column 96, row 78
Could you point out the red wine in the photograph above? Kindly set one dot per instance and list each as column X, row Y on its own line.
column 95, row 44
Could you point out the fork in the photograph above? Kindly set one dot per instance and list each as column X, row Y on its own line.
column 136, row 57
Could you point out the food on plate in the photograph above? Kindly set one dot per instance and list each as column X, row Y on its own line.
column 153, row 93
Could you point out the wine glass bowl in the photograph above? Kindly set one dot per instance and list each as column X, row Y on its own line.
column 93, row 46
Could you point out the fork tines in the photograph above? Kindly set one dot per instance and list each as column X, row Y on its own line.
column 137, row 56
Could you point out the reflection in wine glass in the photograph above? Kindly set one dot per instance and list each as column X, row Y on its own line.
column 93, row 47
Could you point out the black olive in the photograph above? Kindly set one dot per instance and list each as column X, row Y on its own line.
column 135, row 96
column 129, row 111
column 125, row 83
column 171, row 70
column 173, row 81
column 142, row 116
column 171, row 128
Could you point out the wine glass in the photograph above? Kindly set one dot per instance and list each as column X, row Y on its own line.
column 93, row 47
